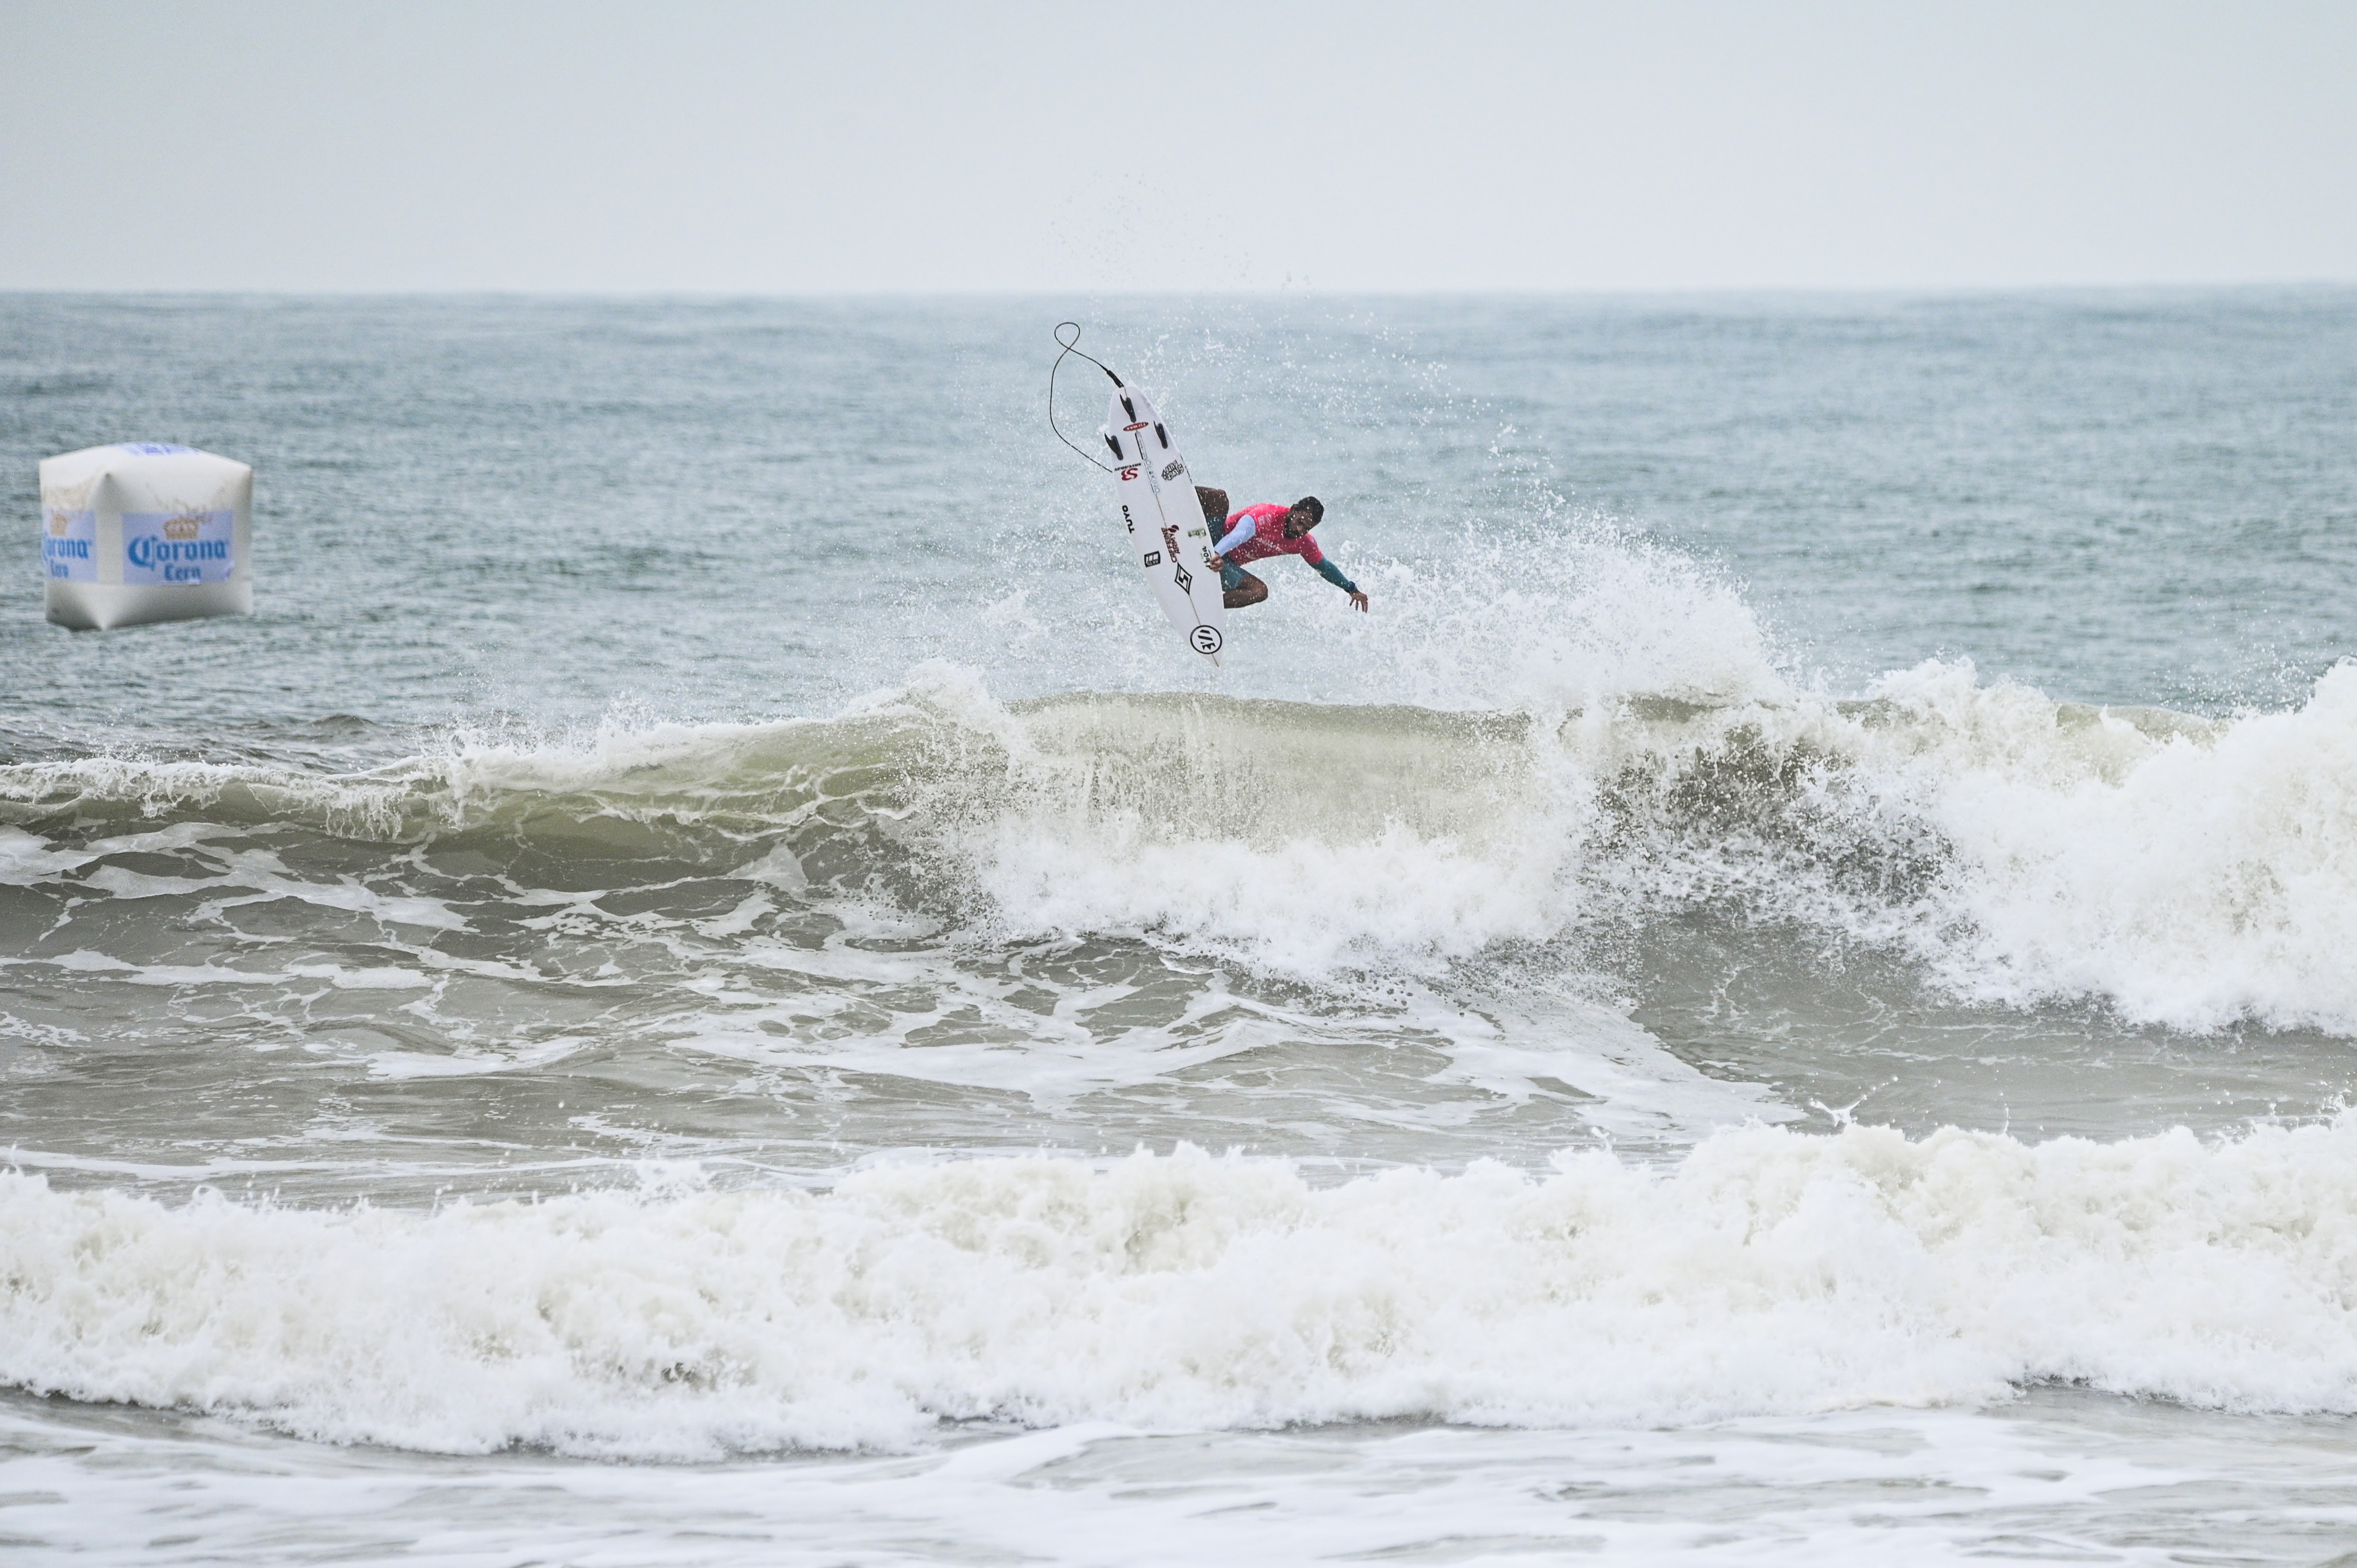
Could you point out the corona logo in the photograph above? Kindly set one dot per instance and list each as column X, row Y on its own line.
column 59, row 523
column 182, row 527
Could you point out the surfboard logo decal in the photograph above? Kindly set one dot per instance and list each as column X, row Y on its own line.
column 1170, row 542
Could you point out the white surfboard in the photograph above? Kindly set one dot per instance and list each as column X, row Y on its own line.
column 1170, row 538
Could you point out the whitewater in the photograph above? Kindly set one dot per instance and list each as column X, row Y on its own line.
column 1785, row 995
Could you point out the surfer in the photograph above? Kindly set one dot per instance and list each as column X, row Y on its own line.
column 1258, row 532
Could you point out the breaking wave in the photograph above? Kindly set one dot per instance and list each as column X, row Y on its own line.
column 1770, row 1272
column 2182, row 871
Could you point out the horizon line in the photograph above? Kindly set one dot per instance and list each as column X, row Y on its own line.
column 1304, row 291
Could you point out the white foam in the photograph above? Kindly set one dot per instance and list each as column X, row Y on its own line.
column 2192, row 878
column 474, row 1062
column 1767, row 1272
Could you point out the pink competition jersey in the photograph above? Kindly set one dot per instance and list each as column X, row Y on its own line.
column 1268, row 539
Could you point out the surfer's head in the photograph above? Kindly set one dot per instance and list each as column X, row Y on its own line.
column 1306, row 514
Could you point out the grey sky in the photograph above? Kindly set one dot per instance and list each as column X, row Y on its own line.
column 1154, row 145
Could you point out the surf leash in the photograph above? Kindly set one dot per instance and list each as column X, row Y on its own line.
column 1071, row 346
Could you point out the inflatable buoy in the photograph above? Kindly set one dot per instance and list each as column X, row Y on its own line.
column 145, row 532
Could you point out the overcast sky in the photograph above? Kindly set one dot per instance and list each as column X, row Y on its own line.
column 697, row 145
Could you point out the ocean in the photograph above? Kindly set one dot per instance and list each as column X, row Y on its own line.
column 705, row 982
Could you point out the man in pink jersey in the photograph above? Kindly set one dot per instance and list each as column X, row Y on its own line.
column 1259, row 532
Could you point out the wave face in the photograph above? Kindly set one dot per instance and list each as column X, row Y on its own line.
column 1766, row 1273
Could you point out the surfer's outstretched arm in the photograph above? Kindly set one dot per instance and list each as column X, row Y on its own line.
column 1333, row 573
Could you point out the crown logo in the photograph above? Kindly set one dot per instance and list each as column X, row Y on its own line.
column 59, row 523
column 182, row 527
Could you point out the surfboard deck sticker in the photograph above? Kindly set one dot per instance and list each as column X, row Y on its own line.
column 1168, row 536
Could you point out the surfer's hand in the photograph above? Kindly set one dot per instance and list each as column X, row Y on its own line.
column 1359, row 602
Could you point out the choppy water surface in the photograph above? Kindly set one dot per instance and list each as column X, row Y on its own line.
column 1785, row 996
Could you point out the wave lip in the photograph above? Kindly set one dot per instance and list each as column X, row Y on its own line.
column 1767, row 1272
